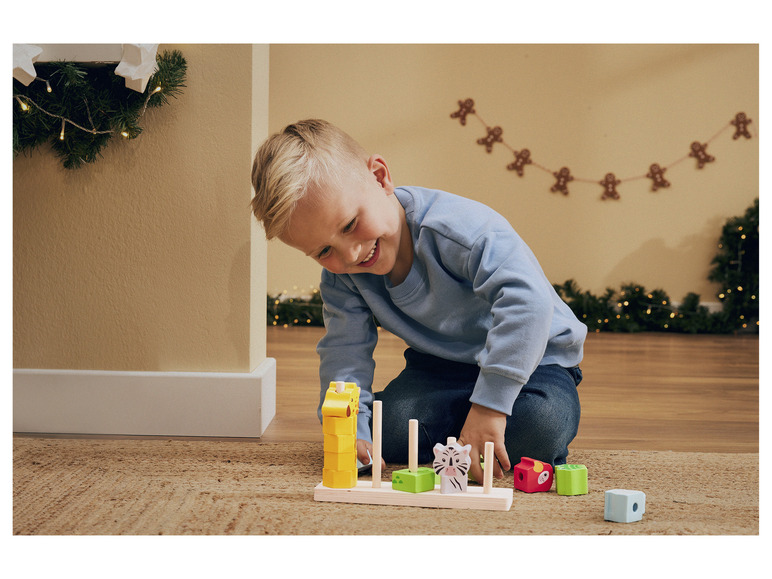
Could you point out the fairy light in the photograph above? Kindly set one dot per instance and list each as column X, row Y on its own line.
column 124, row 133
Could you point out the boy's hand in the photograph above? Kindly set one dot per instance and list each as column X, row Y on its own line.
column 362, row 453
column 485, row 425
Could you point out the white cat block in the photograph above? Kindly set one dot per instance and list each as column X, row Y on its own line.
column 624, row 506
column 452, row 463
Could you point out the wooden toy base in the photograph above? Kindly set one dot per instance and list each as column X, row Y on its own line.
column 499, row 499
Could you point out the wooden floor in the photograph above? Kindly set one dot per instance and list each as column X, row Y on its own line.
column 640, row 391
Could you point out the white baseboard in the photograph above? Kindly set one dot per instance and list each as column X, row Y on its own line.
column 145, row 403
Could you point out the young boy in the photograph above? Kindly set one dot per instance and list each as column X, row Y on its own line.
column 493, row 351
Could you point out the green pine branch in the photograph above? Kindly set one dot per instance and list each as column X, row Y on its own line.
column 92, row 97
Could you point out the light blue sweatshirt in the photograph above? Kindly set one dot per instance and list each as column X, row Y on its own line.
column 475, row 294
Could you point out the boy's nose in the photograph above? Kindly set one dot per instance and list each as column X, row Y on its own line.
column 352, row 256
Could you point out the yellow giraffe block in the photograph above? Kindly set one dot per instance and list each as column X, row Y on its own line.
column 341, row 404
column 332, row 425
column 339, row 479
column 340, row 443
column 340, row 461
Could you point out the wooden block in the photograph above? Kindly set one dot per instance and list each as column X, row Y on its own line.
column 333, row 425
column 624, row 506
column 451, row 464
column 532, row 475
column 571, row 479
column 340, row 460
column 339, row 479
column 413, row 482
column 498, row 499
column 340, row 443
column 341, row 404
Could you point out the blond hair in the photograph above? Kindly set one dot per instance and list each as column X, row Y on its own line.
column 308, row 153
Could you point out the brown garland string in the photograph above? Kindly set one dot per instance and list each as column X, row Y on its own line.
column 563, row 177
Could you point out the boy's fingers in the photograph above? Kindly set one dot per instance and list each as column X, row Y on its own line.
column 503, row 460
column 474, row 468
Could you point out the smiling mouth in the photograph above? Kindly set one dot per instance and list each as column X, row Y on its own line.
column 371, row 257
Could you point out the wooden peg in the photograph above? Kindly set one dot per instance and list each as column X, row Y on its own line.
column 488, row 471
column 412, row 450
column 377, row 442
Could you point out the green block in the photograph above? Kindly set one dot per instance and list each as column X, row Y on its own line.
column 571, row 479
column 413, row 482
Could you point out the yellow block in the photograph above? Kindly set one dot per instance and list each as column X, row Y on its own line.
column 340, row 443
column 341, row 404
column 339, row 479
column 340, row 460
column 332, row 425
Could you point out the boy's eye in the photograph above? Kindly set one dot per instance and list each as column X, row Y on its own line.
column 322, row 254
column 350, row 226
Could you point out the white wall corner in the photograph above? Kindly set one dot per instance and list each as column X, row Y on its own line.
column 227, row 404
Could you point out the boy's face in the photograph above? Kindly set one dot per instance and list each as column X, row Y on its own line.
column 356, row 226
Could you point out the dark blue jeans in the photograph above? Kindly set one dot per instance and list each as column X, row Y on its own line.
column 544, row 420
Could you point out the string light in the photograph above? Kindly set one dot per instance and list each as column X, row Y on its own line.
column 23, row 101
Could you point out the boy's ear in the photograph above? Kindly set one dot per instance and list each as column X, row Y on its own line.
column 378, row 167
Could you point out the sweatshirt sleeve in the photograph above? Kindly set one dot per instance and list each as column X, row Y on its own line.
column 346, row 350
column 504, row 272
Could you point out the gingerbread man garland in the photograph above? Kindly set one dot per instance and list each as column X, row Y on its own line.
column 741, row 123
column 698, row 152
column 521, row 159
column 493, row 136
column 610, row 183
column 465, row 108
column 657, row 176
column 563, row 177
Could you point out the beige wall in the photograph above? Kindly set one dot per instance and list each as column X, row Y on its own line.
column 145, row 260
column 594, row 108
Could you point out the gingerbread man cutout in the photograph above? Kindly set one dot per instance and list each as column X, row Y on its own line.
column 699, row 153
column 741, row 123
column 563, row 177
column 657, row 175
column 494, row 136
column 521, row 159
column 465, row 108
column 610, row 183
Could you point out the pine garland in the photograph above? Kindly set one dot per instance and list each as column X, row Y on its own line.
column 632, row 308
column 78, row 108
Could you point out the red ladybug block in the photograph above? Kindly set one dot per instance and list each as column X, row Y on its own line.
column 533, row 476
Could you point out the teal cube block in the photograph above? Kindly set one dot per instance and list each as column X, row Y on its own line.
column 624, row 506
column 571, row 479
column 413, row 482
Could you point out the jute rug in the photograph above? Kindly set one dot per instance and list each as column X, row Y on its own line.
column 190, row 487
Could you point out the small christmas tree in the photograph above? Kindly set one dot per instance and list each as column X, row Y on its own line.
column 736, row 268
